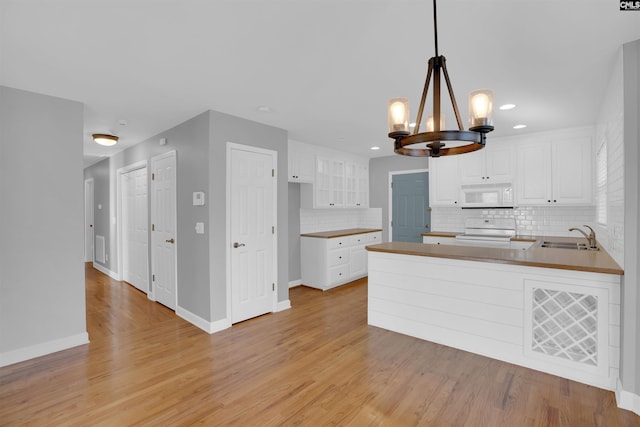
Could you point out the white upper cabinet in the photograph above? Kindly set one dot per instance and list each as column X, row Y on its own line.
column 492, row 164
column 330, row 183
column 357, row 185
column 339, row 180
column 301, row 163
column 555, row 171
column 444, row 181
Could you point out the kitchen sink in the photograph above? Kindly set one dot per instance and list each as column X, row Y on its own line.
column 566, row 245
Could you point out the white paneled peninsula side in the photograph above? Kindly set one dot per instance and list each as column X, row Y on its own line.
column 333, row 258
column 553, row 310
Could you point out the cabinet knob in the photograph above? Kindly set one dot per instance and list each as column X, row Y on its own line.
column 555, row 201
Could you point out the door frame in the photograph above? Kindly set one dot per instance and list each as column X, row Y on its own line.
column 391, row 174
column 151, row 294
column 120, row 172
column 235, row 146
column 92, row 221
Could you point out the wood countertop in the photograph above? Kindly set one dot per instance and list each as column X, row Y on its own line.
column 341, row 233
column 565, row 259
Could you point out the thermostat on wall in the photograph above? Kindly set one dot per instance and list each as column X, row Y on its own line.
column 198, row 198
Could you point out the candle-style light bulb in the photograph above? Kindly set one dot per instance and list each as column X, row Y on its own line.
column 399, row 115
column 480, row 108
column 430, row 127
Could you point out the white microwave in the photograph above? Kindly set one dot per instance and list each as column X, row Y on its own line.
column 487, row 195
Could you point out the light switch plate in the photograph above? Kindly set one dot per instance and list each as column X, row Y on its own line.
column 199, row 227
column 198, row 198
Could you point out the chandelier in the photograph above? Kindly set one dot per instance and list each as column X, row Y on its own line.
column 432, row 141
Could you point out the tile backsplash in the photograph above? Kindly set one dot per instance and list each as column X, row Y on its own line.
column 548, row 221
column 317, row 220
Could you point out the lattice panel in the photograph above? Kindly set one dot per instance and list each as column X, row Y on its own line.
column 565, row 325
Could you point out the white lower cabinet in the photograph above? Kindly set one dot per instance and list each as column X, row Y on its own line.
column 327, row 263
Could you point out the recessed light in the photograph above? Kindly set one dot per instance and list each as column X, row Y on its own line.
column 507, row 106
column 375, row 148
column 520, row 126
column 264, row 109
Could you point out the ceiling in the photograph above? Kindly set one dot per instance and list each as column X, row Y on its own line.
column 325, row 69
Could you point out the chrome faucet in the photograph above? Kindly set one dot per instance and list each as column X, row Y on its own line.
column 591, row 237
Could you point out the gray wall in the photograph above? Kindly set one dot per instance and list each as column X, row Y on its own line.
column 379, row 169
column 295, row 272
column 630, row 366
column 190, row 140
column 226, row 128
column 200, row 144
column 42, row 296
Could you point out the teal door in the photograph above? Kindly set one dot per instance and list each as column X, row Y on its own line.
column 410, row 204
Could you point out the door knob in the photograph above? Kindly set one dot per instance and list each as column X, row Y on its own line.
column 170, row 240
column 237, row 245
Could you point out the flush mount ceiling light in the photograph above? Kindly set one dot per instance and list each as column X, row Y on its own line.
column 105, row 139
column 430, row 143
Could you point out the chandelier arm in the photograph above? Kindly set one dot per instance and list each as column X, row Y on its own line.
column 424, row 96
column 451, row 94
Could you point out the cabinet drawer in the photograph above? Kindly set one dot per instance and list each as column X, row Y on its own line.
column 358, row 240
column 338, row 256
column 338, row 274
column 338, row 242
column 374, row 237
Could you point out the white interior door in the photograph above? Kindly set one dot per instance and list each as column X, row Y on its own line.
column 88, row 221
column 252, row 231
column 135, row 250
column 163, row 229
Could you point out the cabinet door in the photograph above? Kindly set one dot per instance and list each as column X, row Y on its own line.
column 444, row 181
column 358, row 262
column 533, row 186
column 301, row 163
column 363, row 186
column 472, row 167
column 351, row 185
column 323, row 185
column 498, row 163
column 338, row 184
column 572, row 165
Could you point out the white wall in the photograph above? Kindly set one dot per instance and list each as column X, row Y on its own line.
column 42, row 294
column 610, row 127
column 317, row 220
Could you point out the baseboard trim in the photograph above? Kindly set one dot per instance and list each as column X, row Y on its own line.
column 627, row 400
column 205, row 325
column 294, row 283
column 283, row 305
column 105, row 270
column 42, row 349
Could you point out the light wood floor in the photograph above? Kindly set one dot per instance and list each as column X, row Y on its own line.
column 316, row 364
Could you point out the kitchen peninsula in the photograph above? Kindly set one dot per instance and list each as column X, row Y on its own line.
column 553, row 310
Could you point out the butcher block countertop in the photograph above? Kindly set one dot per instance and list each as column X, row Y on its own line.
column 565, row 259
column 341, row 233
